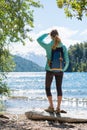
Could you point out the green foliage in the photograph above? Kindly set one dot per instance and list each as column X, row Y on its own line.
column 6, row 61
column 6, row 65
column 73, row 8
column 16, row 21
column 3, row 86
column 78, row 57
column 4, row 89
column 2, row 107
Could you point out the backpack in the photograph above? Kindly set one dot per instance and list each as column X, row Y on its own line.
column 57, row 62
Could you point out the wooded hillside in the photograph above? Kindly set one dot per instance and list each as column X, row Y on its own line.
column 78, row 57
column 24, row 65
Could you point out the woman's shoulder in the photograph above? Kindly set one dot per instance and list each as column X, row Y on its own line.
column 64, row 46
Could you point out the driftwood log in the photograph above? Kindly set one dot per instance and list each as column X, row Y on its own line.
column 35, row 115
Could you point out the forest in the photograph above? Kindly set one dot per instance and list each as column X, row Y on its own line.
column 78, row 57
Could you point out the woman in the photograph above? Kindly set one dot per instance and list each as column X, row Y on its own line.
column 55, row 43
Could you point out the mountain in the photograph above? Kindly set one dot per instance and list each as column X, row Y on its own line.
column 36, row 58
column 24, row 65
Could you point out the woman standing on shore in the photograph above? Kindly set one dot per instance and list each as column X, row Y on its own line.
column 55, row 43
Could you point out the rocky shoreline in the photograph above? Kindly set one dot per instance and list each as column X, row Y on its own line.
column 20, row 122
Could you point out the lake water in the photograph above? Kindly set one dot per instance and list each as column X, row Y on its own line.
column 27, row 92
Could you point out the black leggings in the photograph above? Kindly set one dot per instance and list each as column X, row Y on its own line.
column 49, row 79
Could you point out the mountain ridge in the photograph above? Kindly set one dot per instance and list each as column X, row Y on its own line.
column 25, row 65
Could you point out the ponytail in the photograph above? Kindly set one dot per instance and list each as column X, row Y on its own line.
column 56, row 42
column 54, row 33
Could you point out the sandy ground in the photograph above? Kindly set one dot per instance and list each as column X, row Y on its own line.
column 20, row 122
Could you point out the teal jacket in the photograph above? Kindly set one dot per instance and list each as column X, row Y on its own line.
column 48, row 49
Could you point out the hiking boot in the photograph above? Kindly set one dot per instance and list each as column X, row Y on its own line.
column 49, row 109
column 57, row 111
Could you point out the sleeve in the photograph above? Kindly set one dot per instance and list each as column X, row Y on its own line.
column 66, row 57
column 40, row 40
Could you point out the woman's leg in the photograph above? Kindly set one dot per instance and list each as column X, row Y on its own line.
column 59, row 78
column 48, row 81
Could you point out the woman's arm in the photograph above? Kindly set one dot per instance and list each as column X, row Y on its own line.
column 66, row 57
column 40, row 40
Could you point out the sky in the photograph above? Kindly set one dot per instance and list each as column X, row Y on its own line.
column 71, row 31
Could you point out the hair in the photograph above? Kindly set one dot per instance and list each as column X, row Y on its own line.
column 55, row 34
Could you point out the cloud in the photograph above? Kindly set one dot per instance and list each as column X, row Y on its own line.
column 29, row 47
column 83, row 35
column 66, row 35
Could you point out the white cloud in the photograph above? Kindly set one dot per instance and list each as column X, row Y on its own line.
column 66, row 35
column 84, row 33
column 29, row 47
column 68, row 42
